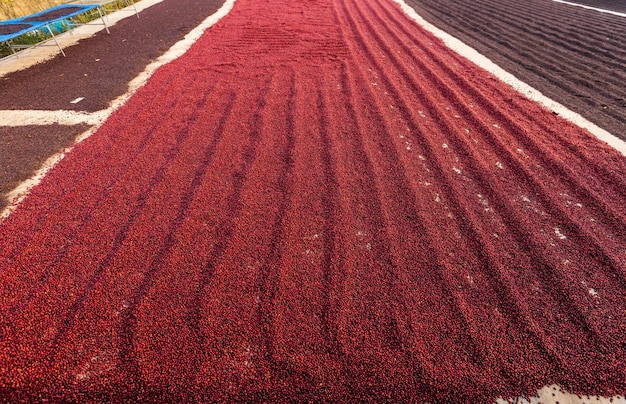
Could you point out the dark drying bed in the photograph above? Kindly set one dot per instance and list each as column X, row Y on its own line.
column 572, row 55
column 7, row 29
column 54, row 14
column 88, row 73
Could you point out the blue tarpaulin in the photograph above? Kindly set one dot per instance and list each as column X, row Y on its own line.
column 11, row 29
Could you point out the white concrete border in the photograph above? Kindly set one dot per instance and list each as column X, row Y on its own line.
column 525, row 89
column 98, row 118
column 592, row 8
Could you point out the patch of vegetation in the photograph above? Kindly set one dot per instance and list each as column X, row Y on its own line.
column 41, row 35
column 29, row 38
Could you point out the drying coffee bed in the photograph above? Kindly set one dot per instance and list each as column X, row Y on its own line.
column 573, row 55
column 97, row 72
column 24, row 149
column 612, row 5
column 319, row 202
column 100, row 68
column 57, row 12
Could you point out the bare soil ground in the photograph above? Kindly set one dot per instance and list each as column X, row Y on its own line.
column 572, row 55
column 319, row 202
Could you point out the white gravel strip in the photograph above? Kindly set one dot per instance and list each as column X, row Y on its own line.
column 36, row 117
column 592, row 8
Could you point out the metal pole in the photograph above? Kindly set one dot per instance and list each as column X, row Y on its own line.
column 102, row 18
column 55, row 39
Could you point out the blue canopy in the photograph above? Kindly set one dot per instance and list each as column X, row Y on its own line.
column 11, row 29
